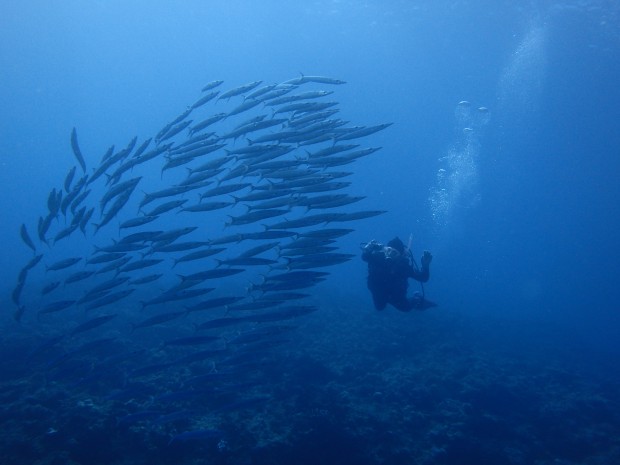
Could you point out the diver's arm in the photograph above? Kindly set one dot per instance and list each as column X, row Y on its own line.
column 423, row 274
column 373, row 258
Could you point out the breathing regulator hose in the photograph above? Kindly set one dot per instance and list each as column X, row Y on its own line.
column 414, row 264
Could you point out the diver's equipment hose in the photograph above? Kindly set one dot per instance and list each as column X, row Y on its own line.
column 414, row 264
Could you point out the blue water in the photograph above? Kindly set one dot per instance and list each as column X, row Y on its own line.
column 501, row 160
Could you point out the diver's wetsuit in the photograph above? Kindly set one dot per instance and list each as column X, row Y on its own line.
column 388, row 272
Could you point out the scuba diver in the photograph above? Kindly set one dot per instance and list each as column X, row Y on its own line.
column 389, row 268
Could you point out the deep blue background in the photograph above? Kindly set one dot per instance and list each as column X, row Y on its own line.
column 530, row 233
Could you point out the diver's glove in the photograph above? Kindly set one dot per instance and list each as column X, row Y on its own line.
column 426, row 259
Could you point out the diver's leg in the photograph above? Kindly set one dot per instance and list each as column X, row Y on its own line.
column 400, row 302
column 379, row 296
column 379, row 299
column 419, row 302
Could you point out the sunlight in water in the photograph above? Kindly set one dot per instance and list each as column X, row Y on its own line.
column 521, row 83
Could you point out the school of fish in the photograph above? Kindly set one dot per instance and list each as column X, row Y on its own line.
column 167, row 272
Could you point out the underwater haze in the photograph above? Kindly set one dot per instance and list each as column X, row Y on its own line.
column 185, row 189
